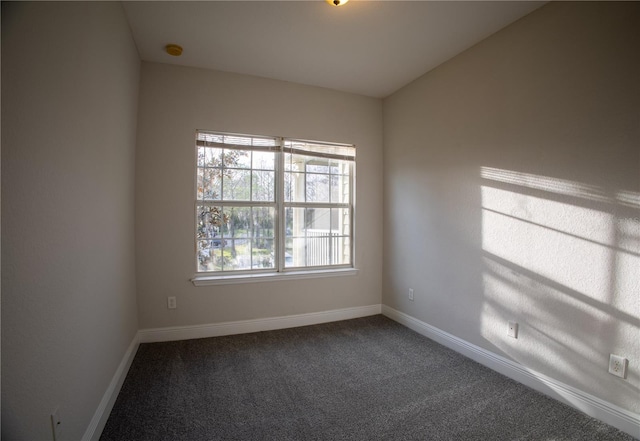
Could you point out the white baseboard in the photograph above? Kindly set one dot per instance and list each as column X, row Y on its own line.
column 256, row 325
column 593, row 406
column 101, row 415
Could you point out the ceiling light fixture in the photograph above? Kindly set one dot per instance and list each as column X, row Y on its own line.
column 173, row 49
column 337, row 2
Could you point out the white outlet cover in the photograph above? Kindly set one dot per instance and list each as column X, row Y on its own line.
column 618, row 366
column 513, row 330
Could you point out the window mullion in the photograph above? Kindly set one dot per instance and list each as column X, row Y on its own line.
column 280, row 211
column 352, row 220
column 223, row 167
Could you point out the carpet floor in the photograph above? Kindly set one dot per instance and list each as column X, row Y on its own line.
column 362, row 379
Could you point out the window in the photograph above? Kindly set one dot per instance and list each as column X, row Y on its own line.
column 267, row 204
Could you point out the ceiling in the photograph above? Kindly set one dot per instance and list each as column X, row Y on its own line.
column 371, row 48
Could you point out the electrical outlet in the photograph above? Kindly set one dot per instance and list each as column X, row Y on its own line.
column 618, row 366
column 513, row 330
column 411, row 294
column 171, row 303
column 55, row 424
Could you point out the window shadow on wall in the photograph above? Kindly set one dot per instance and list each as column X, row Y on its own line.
column 563, row 259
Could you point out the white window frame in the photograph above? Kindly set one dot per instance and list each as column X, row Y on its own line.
column 281, row 272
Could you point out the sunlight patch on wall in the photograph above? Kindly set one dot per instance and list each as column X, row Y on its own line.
column 560, row 186
column 563, row 259
column 628, row 199
column 510, row 294
column 564, row 243
column 626, row 280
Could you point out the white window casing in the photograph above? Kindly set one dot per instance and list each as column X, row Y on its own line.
column 270, row 207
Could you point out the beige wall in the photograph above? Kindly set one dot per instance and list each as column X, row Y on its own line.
column 70, row 76
column 512, row 193
column 174, row 102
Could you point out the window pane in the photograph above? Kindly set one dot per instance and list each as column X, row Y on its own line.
column 236, row 185
column 210, row 157
column 263, row 222
column 287, row 187
column 340, row 236
column 210, row 222
column 318, row 249
column 335, row 166
column 237, row 254
column 263, row 184
column 340, row 221
column 318, row 220
column 295, row 255
column 211, row 181
column 200, row 156
column 317, row 237
column 342, row 249
column 288, row 253
column 294, row 187
column 263, row 253
column 239, row 222
column 340, row 189
column 199, row 184
column 209, row 255
column 294, row 222
column 203, row 255
column 294, row 163
column 318, row 233
column 239, row 238
column 317, row 188
column 237, row 159
column 263, row 160
column 312, row 179
column 302, row 222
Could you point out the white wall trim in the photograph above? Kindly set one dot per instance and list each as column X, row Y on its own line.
column 255, row 325
column 101, row 415
column 593, row 406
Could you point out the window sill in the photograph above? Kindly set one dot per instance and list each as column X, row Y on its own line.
column 268, row 277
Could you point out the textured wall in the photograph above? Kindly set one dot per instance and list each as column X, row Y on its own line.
column 512, row 192
column 70, row 76
column 174, row 102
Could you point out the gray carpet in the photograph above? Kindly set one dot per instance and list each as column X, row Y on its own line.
column 362, row 379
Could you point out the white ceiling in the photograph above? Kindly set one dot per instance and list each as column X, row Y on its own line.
column 366, row 47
